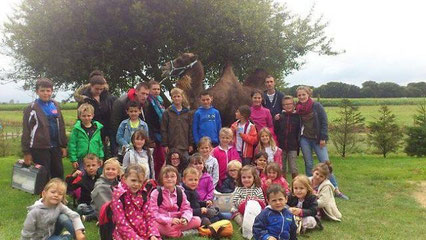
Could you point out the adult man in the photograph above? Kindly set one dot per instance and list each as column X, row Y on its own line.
column 272, row 98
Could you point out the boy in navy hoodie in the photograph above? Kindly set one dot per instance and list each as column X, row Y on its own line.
column 206, row 121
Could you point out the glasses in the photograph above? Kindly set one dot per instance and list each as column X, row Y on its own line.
column 197, row 163
column 288, row 104
column 233, row 170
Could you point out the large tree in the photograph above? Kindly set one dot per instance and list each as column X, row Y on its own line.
column 129, row 39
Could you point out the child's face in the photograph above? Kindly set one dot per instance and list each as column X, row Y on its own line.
column 264, row 138
column 110, row 171
column 288, row 105
column 205, row 150
column 206, row 101
column 175, row 160
column 134, row 181
column 225, row 139
column 169, row 180
column 238, row 115
column 233, row 172
column 256, row 99
column 277, row 201
column 177, row 99
column 44, row 93
column 191, row 181
column 299, row 190
column 155, row 90
column 138, row 143
column 86, row 118
column 91, row 166
column 303, row 96
column 261, row 162
column 53, row 196
column 199, row 165
column 318, row 177
column 247, row 179
column 272, row 174
column 133, row 113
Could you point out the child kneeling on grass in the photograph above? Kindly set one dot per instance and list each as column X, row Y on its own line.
column 48, row 216
column 275, row 221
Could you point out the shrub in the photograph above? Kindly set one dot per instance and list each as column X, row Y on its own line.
column 416, row 141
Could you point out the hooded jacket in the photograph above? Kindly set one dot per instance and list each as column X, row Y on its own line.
column 326, row 201
column 206, row 122
column 80, row 145
column 249, row 138
column 205, row 187
column 40, row 221
column 280, row 225
column 223, row 158
column 102, row 193
column 176, row 128
column 287, row 129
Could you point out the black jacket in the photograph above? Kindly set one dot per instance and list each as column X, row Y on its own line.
column 275, row 107
column 309, row 206
column 287, row 129
column 194, row 200
column 228, row 185
column 86, row 183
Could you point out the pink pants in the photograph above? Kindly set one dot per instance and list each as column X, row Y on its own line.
column 175, row 231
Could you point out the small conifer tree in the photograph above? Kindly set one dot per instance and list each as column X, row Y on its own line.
column 416, row 141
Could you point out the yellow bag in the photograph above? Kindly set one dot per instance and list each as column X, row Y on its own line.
column 219, row 229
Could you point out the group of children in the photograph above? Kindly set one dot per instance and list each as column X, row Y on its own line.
column 243, row 160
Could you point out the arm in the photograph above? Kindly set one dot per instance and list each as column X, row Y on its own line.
column 119, row 218
column 62, row 133
column 226, row 187
column 126, row 159
column 260, row 231
column 75, row 217
column 185, row 208
column 251, row 137
column 29, row 229
column 215, row 173
column 150, row 219
column 312, row 207
column 116, row 115
column 72, row 146
column 165, row 128
column 120, row 135
column 101, row 194
column 325, row 196
column 278, row 157
column 237, row 197
column 323, row 122
column 25, row 138
column 160, row 218
column 210, row 190
column 195, row 129
column 218, row 122
column 190, row 136
column 293, row 230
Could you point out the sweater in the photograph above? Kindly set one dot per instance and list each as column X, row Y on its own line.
column 143, row 158
column 243, row 193
column 249, row 138
column 205, row 187
column 223, row 158
column 261, row 117
column 272, row 223
column 326, row 201
column 212, row 167
column 206, row 122
column 40, row 221
column 101, row 193
column 80, row 144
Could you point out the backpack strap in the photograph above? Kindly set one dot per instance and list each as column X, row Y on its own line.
column 178, row 193
column 160, row 196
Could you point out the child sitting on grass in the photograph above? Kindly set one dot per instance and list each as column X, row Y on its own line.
column 48, row 216
column 205, row 188
column 260, row 161
column 212, row 166
column 176, row 160
column 273, row 176
column 228, row 185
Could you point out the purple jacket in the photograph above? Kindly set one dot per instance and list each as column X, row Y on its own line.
column 169, row 208
column 205, row 187
column 223, row 158
column 261, row 117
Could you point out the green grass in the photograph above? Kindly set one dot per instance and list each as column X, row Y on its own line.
column 381, row 205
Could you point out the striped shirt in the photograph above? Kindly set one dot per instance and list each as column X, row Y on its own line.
column 243, row 193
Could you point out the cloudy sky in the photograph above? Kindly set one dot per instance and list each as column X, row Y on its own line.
column 383, row 41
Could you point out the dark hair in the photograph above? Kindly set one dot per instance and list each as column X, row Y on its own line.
column 196, row 158
column 135, row 167
column 140, row 134
column 166, row 169
column 183, row 163
column 275, row 188
column 44, row 83
column 142, row 84
column 97, row 80
column 324, row 168
column 152, row 82
column 245, row 111
column 205, row 93
column 255, row 91
column 269, row 76
column 287, row 97
column 96, row 73
column 132, row 104
column 275, row 167
column 252, row 170
column 261, row 154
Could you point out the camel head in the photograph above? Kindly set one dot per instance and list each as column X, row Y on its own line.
column 178, row 66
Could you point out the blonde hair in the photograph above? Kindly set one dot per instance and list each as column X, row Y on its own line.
column 178, row 91
column 112, row 161
column 271, row 139
column 235, row 163
column 58, row 183
column 226, row 131
column 204, row 140
column 307, row 89
column 85, row 108
column 303, row 179
column 190, row 170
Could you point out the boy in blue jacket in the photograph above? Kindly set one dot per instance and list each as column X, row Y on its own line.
column 206, row 121
column 275, row 221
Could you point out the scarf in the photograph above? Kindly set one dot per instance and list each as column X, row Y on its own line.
column 157, row 104
column 304, row 108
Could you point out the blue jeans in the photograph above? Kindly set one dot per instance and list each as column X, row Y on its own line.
column 307, row 145
column 62, row 222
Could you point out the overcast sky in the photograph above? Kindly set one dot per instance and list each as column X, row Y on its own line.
column 383, row 40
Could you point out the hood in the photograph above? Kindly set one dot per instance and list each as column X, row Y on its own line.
column 37, row 204
column 131, row 94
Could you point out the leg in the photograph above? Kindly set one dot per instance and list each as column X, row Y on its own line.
column 309, row 222
column 42, row 157
column 159, row 158
column 284, row 160
column 194, row 223
column 168, row 230
column 307, row 155
column 322, row 155
column 56, row 167
column 62, row 222
column 292, row 165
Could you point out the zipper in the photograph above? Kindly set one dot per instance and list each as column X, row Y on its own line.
column 282, row 226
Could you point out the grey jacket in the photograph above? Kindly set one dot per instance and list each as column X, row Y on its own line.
column 40, row 221
column 101, row 193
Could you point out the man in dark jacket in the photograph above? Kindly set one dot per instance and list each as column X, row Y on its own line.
column 272, row 98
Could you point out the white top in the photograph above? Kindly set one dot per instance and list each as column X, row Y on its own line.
column 239, row 143
column 270, row 153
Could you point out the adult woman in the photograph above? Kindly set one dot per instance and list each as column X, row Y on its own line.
column 314, row 132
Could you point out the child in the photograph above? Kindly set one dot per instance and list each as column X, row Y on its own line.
column 249, row 188
column 85, row 137
column 205, row 149
column 325, row 191
column 225, row 152
column 205, row 187
column 228, row 185
column 129, row 126
column 49, row 215
column 102, row 191
column 273, row 176
column 267, row 144
column 260, row 116
column 140, row 153
column 260, row 160
column 200, row 208
column 170, row 217
column 245, row 134
column 176, row 160
column 86, row 182
column 43, row 137
column 287, row 129
column 176, row 126
column 303, row 203
column 131, row 213
column 275, row 221
column 206, row 121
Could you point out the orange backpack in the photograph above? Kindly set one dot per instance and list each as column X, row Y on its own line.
column 217, row 230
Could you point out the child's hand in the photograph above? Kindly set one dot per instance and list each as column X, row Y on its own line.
column 209, row 203
column 76, row 173
column 190, row 149
column 79, row 235
column 277, row 116
column 153, row 238
column 175, row 221
column 166, row 149
column 75, row 165
column 28, row 159
column 183, row 221
column 64, row 152
column 203, row 210
column 268, row 182
column 295, row 211
column 271, row 238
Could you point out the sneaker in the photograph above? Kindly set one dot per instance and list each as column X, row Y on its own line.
column 319, row 224
column 342, row 196
column 189, row 232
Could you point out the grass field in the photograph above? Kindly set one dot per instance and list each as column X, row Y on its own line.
column 382, row 205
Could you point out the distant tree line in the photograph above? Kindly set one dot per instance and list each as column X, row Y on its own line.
column 369, row 89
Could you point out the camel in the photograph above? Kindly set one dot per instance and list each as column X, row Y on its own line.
column 228, row 93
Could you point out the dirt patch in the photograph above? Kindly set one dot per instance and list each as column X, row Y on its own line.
column 420, row 194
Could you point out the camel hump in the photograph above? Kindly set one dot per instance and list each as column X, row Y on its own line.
column 256, row 79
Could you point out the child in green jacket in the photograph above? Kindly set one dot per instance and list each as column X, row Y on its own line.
column 85, row 137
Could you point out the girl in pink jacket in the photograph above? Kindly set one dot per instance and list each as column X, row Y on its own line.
column 225, row 152
column 267, row 144
column 205, row 188
column 173, row 214
column 130, row 210
column 260, row 116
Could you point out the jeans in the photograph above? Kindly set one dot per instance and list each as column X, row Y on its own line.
column 63, row 222
column 307, row 145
